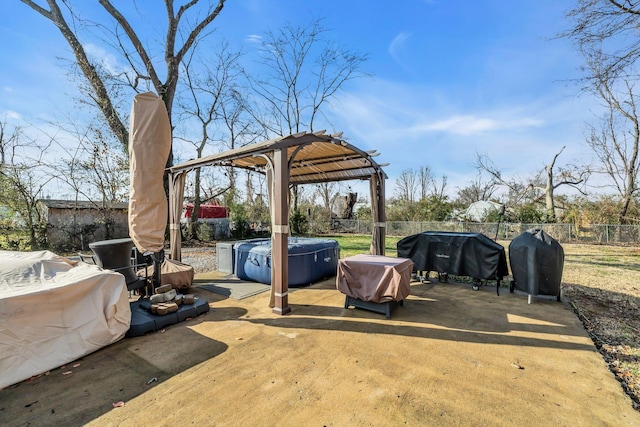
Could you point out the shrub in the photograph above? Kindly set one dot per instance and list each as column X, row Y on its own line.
column 299, row 223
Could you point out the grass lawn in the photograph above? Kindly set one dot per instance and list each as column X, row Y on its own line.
column 354, row 244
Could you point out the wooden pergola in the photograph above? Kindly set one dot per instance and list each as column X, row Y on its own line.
column 302, row 158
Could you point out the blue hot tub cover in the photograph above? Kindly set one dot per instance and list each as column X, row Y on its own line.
column 310, row 260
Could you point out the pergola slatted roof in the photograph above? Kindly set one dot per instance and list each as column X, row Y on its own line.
column 314, row 157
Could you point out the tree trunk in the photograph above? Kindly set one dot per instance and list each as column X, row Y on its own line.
column 622, row 217
column 294, row 191
column 548, row 194
column 193, row 221
column 349, row 201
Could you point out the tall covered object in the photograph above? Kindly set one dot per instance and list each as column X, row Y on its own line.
column 149, row 148
column 537, row 261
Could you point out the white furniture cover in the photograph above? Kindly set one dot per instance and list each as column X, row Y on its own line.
column 54, row 311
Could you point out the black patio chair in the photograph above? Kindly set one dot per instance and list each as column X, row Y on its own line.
column 121, row 255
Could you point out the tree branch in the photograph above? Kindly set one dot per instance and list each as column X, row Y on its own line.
column 624, row 8
column 198, row 29
column 102, row 98
column 137, row 44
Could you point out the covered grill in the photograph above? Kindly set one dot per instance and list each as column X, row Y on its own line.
column 460, row 254
column 537, row 261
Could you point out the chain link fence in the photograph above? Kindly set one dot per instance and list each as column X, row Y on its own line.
column 78, row 238
column 568, row 233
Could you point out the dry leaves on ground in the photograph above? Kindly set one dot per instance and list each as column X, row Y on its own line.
column 602, row 284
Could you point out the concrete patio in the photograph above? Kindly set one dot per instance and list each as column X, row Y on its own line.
column 449, row 356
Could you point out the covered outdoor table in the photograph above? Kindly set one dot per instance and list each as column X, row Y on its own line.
column 374, row 282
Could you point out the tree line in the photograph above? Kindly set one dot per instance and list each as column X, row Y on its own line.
column 221, row 97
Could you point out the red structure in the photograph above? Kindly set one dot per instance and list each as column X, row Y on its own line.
column 208, row 211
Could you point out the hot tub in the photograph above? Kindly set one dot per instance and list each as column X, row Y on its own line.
column 310, row 259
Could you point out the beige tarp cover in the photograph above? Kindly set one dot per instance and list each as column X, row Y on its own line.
column 174, row 272
column 374, row 278
column 54, row 311
column 149, row 147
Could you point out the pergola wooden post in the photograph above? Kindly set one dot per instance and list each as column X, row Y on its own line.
column 378, row 214
column 280, row 233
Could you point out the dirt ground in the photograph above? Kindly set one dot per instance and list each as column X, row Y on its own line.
column 602, row 286
column 449, row 356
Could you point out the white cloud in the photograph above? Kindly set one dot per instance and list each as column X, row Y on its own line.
column 253, row 38
column 414, row 125
column 12, row 115
column 397, row 45
column 108, row 60
column 471, row 125
column 398, row 48
column 253, row 6
column 405, row 113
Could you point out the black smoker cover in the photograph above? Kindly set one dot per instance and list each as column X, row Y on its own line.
column 459, row 254
column 537, row 260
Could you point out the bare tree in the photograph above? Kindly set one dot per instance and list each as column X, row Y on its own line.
column 407, row 185
column 426, row 180
column 301, row 74
column 609, row 29
column 616, row 140
column 206, row 92
column 255, row 203
column 415, row 190
column 94, row 166
column 477, row 190
column 239, row 128
column 606, row 33
column 8, row 137
column 439, row 188
column 529, row 190
column 184, row 22
column 517, row 189
column 22, row 180
column 575, row 177
column 328, row 194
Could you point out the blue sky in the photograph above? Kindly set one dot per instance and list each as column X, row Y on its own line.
column 450, row 78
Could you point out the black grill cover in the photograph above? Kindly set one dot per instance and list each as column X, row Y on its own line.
column 459, row 254
column 537, row 260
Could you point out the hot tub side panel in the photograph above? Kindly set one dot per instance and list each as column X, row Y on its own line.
column 309, row 261
column 251, row 260
column 312, row 265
